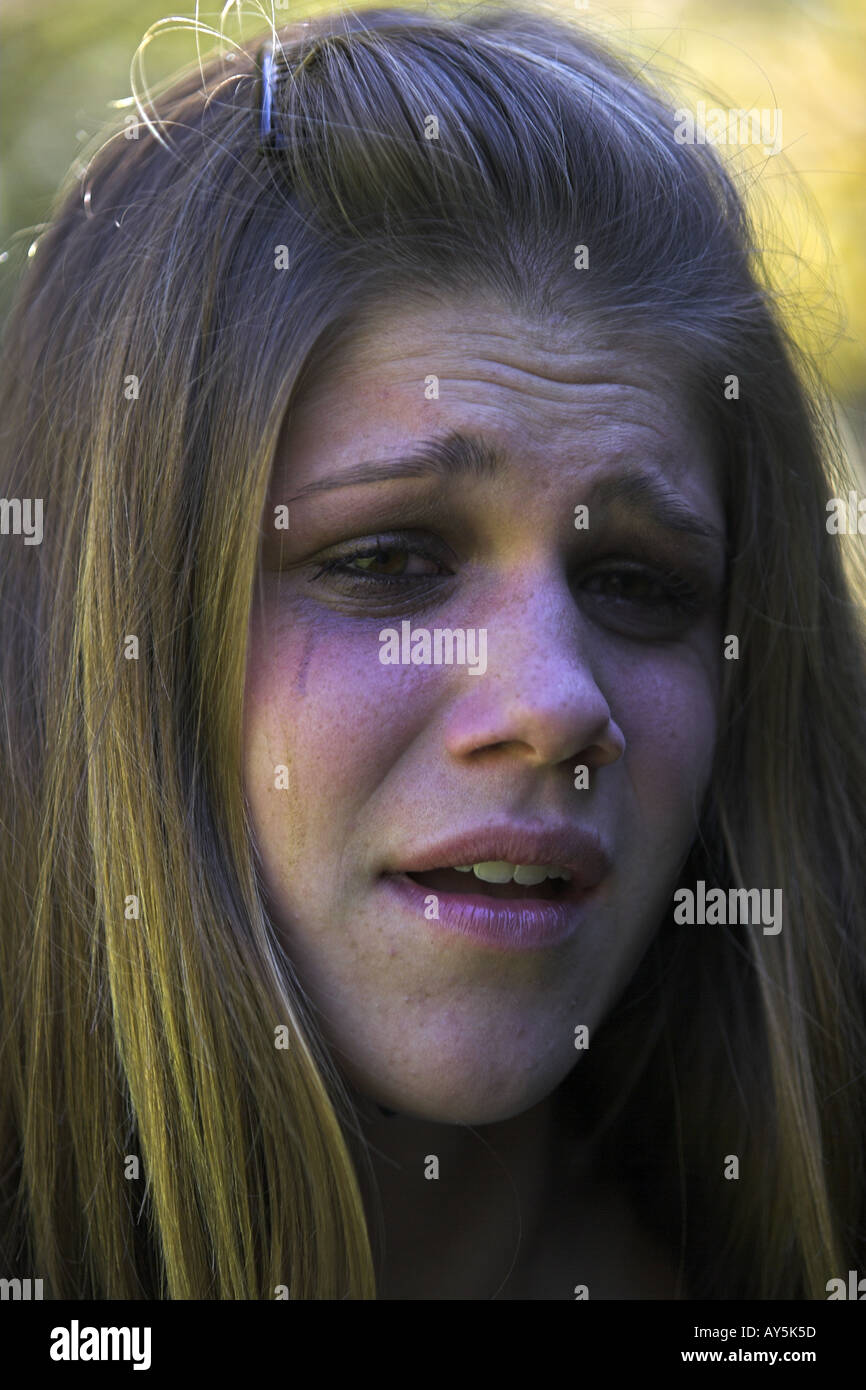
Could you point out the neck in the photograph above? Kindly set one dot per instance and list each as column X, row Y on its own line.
column 461, row 1207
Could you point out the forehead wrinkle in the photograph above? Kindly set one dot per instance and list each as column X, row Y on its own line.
column 523, row 379
column 563, row 351
column 600, row 412
column 598, row 438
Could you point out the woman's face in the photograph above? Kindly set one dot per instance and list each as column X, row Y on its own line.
column 603, row 652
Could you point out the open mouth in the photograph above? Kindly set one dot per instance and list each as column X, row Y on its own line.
column 501, row 904
column 465, row 884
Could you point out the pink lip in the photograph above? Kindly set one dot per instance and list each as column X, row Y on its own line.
column 506, row 924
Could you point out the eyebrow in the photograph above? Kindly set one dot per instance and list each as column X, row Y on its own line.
column 453, row 455
column 463, row 455
column 658, row 501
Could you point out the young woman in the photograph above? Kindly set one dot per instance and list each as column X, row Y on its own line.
column 433, row 713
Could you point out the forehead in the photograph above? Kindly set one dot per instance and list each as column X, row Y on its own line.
column 552, row 390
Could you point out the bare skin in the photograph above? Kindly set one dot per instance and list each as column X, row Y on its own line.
column 513, row 1215
column 604, row 651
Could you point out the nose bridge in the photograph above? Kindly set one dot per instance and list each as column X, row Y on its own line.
column 535, row 631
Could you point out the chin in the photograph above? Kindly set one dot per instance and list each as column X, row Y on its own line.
column 462, row 1100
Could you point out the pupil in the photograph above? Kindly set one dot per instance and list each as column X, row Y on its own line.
column 388, row 560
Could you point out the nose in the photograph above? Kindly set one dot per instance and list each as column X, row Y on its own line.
column 539, row 696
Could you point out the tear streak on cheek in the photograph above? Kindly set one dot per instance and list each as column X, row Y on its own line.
column 299, row 684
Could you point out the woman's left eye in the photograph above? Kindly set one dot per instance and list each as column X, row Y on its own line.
column 638, row 586
column 636, row 601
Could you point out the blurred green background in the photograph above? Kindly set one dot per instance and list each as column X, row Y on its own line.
column 61, row 65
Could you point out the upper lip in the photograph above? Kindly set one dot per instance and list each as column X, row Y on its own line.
column 577, row 849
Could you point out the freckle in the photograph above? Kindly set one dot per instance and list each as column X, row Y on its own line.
column 299, row 684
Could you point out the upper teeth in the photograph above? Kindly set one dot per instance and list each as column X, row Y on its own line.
column 498, row 871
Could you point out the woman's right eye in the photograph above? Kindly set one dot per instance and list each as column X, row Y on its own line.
column 381, row 563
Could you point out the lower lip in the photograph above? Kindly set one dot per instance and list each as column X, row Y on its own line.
column 508, row 925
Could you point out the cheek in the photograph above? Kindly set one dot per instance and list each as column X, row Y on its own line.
column 667, row 706
column 324, row 707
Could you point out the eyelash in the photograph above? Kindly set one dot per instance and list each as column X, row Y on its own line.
column 338, row 565
column 680, row 595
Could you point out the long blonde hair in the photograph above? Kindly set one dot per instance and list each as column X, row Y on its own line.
column 154, row 1141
